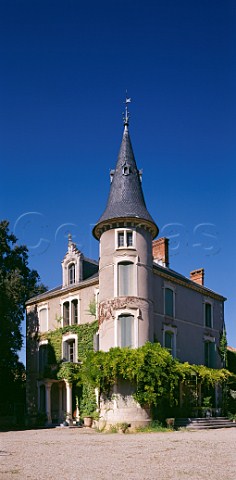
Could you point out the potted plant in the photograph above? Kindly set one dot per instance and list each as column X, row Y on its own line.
column 207, row 407
column 88, row 406
column 88, row 420
column 170, row 422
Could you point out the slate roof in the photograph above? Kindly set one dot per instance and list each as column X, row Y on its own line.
column 126, row 198
column 54, row 292
column 172, row 274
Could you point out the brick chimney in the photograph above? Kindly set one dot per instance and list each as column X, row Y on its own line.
column 197, row 276
column 160, row 251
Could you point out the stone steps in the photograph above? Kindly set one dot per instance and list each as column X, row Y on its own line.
column 204, row 423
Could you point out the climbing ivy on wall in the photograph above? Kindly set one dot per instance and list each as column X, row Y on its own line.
column 67, row 370
column 153, row 372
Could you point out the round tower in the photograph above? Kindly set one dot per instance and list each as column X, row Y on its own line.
column 125, row 231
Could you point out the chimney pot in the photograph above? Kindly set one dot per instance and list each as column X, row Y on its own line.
column 197, row 276
column 160, row 251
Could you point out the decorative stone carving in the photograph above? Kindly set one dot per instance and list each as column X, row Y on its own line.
column 107, row 307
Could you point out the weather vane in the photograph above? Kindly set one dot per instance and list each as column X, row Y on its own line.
column 126, row 114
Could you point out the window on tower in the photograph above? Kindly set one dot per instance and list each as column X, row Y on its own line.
column 126, row 330
column 121, row 239
column 125, row 278
column 125, row 238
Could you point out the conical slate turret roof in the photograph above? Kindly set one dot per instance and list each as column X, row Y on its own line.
column 126, row 201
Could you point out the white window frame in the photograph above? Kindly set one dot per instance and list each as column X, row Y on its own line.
column 127, row 311
column 170, row 287
column 173, row 331
column 76, row 259
column 130, row 259
column 125, row 230
column 211, row 302
column 68, row 338
column 69, row 299
column 43, row 306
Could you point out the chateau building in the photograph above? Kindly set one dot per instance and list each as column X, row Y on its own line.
column 135, row 295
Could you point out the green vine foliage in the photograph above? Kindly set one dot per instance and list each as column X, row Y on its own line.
column 151, row 368
column 88, row 404
column 92, row 308
column 58, row 369
column 223, row 348
column 153, row 372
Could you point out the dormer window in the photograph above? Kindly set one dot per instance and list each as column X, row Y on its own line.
column 126, row 170
column 125, row 238
column 71, row 274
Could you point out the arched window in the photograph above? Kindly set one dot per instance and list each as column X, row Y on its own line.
column 126, row 330
column 125, row 278
column 71, row 273
column 169, row 339
column 74, row 311
column 208, row 315
column 70, row 311
column 66, row 314
column 169, row 302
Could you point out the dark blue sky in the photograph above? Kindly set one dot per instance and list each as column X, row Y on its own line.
column 64, row 69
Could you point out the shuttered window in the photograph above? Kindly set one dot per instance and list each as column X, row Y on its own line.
column 210, row 354
column 66, row 314
column 43, row 315
column 169, row 302
column 74, row 312
column 43, row 358
column 208, row 315
column 126, row 330
column 69, row 351
column 168, row 339
column 125, row 278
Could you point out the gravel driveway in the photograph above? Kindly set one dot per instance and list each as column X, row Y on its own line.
column 82, row 454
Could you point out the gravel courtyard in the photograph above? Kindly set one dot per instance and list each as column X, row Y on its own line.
column 82, row 454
